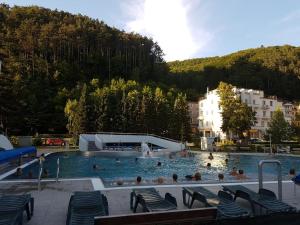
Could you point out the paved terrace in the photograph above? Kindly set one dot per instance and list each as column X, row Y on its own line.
column 51, row 202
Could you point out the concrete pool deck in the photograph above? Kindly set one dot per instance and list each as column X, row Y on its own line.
column 51, row 202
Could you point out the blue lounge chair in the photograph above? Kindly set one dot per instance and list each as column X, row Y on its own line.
column 227, row 208
column 84, row 206
column 264, row 198
column 151, row 200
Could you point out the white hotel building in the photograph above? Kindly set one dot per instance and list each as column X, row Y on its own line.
column 210, row 118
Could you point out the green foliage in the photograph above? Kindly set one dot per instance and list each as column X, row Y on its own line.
column 37, row 141
column 127, row 106
column 279, row 129
column 48, row 55
column 274, row 70
column 237, row 116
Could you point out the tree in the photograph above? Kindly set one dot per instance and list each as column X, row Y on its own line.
column 279, row 128
column 237, row 116
column 76, row 111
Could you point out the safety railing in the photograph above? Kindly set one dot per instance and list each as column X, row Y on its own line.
column 40, row 176
column 57, row 170
column 279, row 175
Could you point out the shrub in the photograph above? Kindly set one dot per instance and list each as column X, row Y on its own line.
column 14, row 140
column 37, row 141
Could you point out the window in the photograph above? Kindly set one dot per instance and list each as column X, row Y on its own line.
column 264, row 102
column 271, row 103
column 262, row 123
column 212, row 112
column 246, row 101
column 271, row 113
column 212, row 102
column 207, row 113
column 207, row 123
column 264, row 113
column 253, row 102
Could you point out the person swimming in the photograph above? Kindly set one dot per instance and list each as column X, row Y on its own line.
column 19, row 172
column 118, row 160
column 233, row 172
column 241, row 175
column 158, row 163
column 292, row 172
column 208, row 166
column 96, row 167
column 138, row 180
column 174, row 177
column 197, row 176
column 221, row 176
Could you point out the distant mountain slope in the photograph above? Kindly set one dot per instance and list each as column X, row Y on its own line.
column 276, row 70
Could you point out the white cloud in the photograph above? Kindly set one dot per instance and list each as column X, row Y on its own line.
column 295, row 15
column 167, row 22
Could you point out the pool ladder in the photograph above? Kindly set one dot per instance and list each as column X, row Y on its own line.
column 279, row 175
column 40, row 176
column 41, row 172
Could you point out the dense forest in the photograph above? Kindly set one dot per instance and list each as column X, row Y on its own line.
column 276, row 70
column 127, row 106
column 45, row 54
column 48, row 56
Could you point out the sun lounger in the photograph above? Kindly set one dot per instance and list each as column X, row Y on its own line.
column 11, row 218
column 264, row 198
column 151, row 200
column 14, row 203
column 227, row 208
column 84, row 206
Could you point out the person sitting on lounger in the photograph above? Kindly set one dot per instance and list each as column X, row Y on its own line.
column 138, row 180
column 233, row 172
column 241, row 175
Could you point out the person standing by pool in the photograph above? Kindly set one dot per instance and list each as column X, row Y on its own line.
column 211, row 157
column 42, row 159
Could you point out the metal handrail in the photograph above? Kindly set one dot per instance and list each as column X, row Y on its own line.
column 40, row 176
column 57, row 170
column 141, row 134
column 279, row 175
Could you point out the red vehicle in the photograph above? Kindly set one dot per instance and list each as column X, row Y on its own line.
column 55, row 141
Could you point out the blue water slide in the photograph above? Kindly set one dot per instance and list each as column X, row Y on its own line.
column 7, row 155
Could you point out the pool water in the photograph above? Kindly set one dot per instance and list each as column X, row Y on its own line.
column 80, row 164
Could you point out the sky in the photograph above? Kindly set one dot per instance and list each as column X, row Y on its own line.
column 193, row 28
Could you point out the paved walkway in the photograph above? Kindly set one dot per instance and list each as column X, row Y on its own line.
column 52, row 201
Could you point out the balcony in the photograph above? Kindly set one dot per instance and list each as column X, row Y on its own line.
column 265, row 107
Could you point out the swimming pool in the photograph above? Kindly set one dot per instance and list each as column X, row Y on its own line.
column 80, row 164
